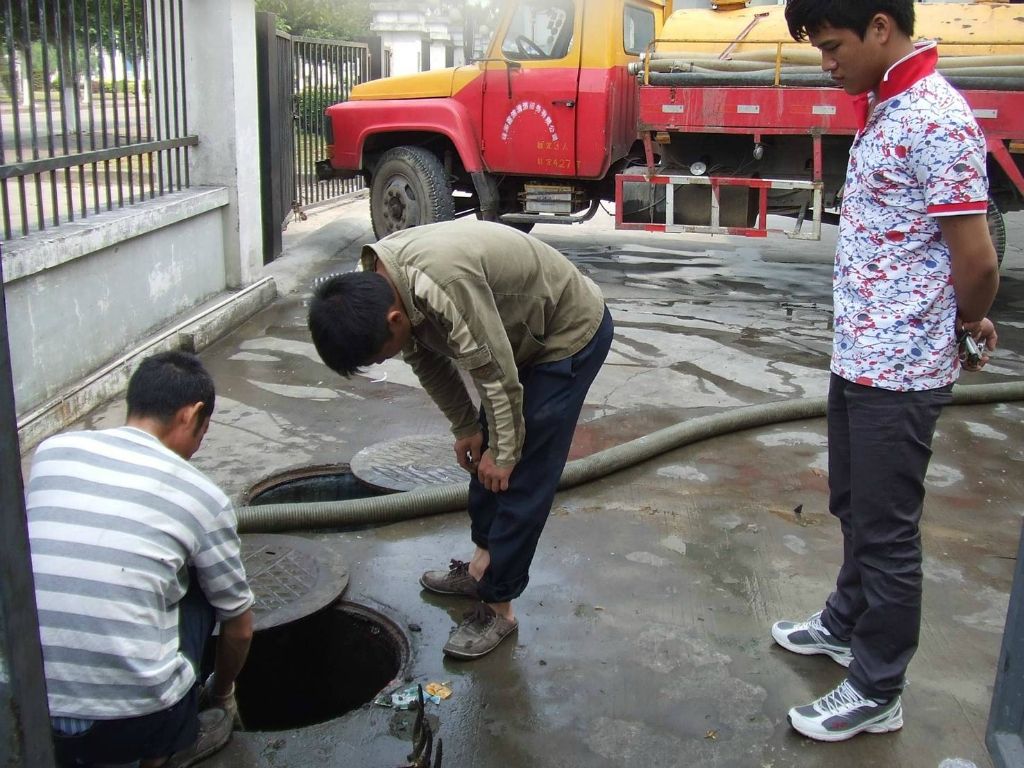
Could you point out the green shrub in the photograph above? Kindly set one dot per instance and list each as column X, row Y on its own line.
column 309, row 109
column 116, row 87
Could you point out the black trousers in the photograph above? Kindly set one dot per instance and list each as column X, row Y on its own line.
column 879, row 446
column 509, row 524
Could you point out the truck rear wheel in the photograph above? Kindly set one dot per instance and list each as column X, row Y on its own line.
column 409, row 188
column 997, row 229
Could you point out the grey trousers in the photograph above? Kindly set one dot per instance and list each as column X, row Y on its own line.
column 879, row 446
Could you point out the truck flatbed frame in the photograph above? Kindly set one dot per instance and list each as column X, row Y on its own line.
column 764, row 111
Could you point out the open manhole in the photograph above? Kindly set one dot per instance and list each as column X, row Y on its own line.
column 319, row 667
column 329, row 482
column 313, row 656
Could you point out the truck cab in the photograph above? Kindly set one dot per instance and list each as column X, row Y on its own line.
column 533, row 131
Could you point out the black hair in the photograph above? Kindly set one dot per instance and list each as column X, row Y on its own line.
column 348, row 319
column 806, row 17
column 166, row 382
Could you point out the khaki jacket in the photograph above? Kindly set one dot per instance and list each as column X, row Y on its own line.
column 487, row 299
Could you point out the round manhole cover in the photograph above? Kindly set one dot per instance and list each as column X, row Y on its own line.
column 291, row 577
column 409, row 463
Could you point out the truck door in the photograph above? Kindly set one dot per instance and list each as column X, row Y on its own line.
column 529, row 105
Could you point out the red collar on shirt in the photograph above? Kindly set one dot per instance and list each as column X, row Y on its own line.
column 900, row 77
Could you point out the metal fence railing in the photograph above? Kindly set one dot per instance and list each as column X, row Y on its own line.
column 324, row 73
column 92, row 108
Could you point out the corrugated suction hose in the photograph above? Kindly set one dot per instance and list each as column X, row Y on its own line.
column 379, row 510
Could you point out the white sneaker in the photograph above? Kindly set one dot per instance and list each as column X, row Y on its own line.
column 810, row 637
column 845, row 712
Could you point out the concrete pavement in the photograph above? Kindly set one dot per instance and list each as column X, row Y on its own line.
column 643, row 635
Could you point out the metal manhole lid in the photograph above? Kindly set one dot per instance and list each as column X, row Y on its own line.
column 409, row 463
column 290, row 576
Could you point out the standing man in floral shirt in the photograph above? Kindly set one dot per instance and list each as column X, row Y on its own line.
column 915, row 268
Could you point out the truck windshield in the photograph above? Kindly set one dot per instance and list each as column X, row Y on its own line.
column 539, row 29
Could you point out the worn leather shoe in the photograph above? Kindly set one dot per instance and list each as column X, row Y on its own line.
column 480, row 632
column 455, row 581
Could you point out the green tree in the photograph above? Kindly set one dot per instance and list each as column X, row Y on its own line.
column 74, row 34
column 108, row 20
column 329, row 19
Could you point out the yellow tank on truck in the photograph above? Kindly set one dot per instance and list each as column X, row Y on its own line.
column 758, row 33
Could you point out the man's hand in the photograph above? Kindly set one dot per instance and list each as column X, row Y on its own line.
column 467, row 451
column 491, row 476
column 232, row 651
column 984, row 333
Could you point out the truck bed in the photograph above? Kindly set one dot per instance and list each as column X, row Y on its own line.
column 796, row 110
column 761, row 111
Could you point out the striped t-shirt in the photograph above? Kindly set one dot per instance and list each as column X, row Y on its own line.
column 115, row 520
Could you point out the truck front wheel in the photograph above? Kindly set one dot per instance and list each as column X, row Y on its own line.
column 409, row 188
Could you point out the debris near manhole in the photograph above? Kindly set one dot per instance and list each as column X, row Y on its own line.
column 712, row 734
column 439, row 690
column 383, row 699
column 404, row 699
column 408, row 698
column 423, row 740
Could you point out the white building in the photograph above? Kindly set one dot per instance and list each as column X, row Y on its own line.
column 419, row 35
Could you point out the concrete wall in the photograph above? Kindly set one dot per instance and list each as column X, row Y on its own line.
column 82, row 295
column 85, row 296
column 220, row 67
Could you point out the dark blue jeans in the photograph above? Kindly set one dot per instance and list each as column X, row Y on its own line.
column 879, row 446
column 159, row 734
column 508, row 524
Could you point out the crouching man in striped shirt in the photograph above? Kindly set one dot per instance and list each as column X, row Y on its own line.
column 136, row 555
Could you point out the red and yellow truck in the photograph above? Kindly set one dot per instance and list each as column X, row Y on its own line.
column 689, row 121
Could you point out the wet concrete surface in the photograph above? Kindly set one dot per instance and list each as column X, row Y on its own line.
column 643, row 636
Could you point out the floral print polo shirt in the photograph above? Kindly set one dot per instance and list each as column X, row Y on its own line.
column 919, row 155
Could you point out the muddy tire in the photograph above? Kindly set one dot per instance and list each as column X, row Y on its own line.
column 997, row 229
column 409, row 188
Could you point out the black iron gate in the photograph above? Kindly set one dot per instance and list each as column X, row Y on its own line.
column 298, row 78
